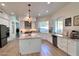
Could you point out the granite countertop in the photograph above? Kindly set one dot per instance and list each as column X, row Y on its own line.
column 58, row 35
column 26, row 36
column 63, row 36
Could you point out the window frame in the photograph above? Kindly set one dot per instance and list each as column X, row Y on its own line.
column 54, row 26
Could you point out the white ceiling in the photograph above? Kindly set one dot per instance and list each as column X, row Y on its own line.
column 21, row 8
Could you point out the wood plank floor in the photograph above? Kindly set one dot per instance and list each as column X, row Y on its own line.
column 12, row 49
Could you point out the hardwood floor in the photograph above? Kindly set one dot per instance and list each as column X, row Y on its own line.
column 49, row 50
column 12, row 49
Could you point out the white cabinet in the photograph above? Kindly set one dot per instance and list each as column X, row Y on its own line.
column 59, row 43
column 70, row 46
column 24, row 46
column 35, row 45
column 28, row 46
column 62, row 44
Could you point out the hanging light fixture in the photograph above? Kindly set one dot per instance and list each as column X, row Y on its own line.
column 29, row 18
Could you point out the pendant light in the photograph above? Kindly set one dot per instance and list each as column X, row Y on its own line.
column 29, row 19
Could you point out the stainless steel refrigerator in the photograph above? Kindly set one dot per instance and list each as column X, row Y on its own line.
column 4, row 32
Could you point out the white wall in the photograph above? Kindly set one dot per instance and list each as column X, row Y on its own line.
column 69, row 10
column 6, row 19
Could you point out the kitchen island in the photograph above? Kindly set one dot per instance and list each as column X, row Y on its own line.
column 29, row 44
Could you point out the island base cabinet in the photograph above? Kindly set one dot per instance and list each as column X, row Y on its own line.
column 29, row 46
column 35, row 45
column 24, row 46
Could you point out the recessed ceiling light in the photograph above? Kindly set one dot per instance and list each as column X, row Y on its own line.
column 39, row 14
column 47, row 11
column 48, row 2
column 2, row 4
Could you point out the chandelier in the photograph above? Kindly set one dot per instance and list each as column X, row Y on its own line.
column 29, row 18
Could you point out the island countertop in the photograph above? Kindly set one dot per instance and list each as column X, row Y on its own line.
column 32, row 36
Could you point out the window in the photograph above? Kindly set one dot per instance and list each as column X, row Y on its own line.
column 58, row 26
column 13, row 27
column 44, row 26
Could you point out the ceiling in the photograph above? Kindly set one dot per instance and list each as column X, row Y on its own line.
column 21, row 8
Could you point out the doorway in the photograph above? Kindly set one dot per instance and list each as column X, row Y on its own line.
column 43, row 26
column 17, row 29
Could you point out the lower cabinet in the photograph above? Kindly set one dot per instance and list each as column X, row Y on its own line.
column 35, row 45
column 28, row 46
column 64, row 45
column 70, row 46
column 24, row 46
column 59, row 42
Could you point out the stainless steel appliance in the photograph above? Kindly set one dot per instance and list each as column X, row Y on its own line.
column 4, row 33
column 54, row 39
column 74, row 34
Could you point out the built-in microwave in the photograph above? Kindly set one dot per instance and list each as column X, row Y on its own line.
column 74, row 34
